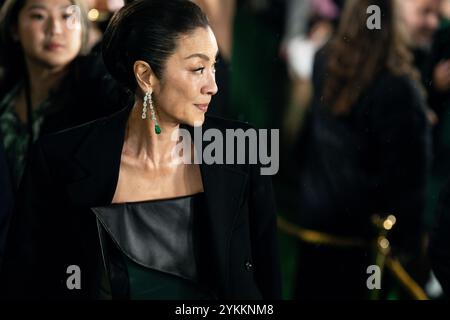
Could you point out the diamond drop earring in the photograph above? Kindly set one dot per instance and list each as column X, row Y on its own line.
column 148, row 101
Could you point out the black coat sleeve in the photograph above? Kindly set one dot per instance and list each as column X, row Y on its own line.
column 264, row 235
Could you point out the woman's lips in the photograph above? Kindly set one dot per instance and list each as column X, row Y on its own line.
column 53, row 46
column 202, row 107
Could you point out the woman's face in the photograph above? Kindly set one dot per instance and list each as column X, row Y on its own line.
column 183, row 93
column 49, row 32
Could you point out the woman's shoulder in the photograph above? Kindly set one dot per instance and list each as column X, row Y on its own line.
column 62, row 143
column 67, row 141
column 398, row 92
column 402, row 85
column 90, row 65
column 398, row 101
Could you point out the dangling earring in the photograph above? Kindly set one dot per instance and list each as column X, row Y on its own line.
column 144, row 107
column 148, row 98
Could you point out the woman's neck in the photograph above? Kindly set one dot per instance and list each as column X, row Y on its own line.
column 143, row 144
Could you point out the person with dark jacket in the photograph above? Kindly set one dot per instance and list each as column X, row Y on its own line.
column 438, row 80
column 104, row 211
column 428, row 40
column 49, row 81
column 367, row 153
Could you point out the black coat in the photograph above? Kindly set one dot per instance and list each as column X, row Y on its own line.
column 74, row 170
column 373, row 160
column 87, row 93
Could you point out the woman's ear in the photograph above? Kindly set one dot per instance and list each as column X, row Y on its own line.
column 144, row 75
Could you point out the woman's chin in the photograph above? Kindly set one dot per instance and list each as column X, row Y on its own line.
column 197, row 121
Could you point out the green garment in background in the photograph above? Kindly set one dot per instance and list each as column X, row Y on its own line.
column 258, row 76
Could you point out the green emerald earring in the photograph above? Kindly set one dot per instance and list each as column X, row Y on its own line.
column 148, row 101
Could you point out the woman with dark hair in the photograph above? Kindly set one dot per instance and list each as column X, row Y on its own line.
column 367, row 153
column 107, row 199
column 48, row 83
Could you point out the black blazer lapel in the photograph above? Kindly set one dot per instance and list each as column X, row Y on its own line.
column 98, row 162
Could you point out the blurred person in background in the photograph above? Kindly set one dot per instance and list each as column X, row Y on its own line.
column 309, row 25
column 439, row 100
column 221, row 15
column 421, row 20
column 367, row 153
column 48, row 83
column 445, row 10
column 437, row 80
column 427, row 29
column 314, row 25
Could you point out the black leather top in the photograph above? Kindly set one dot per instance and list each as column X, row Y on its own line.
column 155, row 234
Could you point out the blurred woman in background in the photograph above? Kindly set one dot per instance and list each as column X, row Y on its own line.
column 367, row 152
column 47, row 83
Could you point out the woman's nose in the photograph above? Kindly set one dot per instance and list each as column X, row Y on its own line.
column 55, row 26
column 211, row 85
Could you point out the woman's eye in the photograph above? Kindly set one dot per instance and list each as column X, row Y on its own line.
column 67, row 16
column 199, row 70
column 37, row 16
